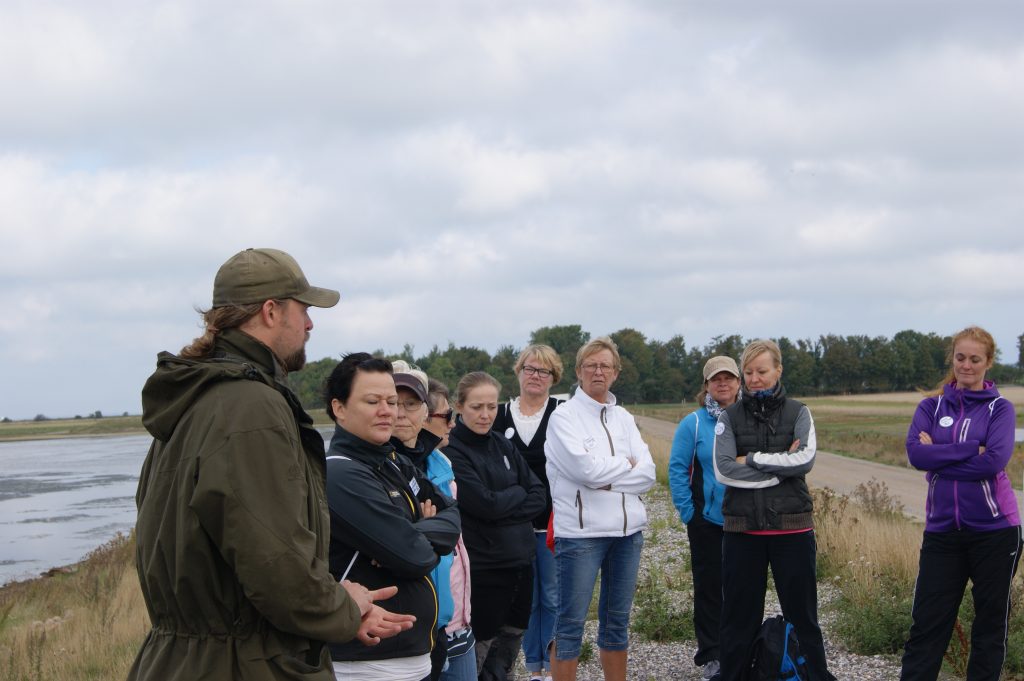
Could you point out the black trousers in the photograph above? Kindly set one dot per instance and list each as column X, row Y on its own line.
column 948, row 560
column 745, row 561
column 706, row 561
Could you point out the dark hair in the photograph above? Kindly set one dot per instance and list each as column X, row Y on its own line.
column 215, row 320
column 435, row 391
column 338, row 385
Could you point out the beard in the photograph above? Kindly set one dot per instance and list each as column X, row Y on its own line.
column 295, row 361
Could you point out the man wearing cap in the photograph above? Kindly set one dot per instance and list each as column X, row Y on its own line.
column 233, row 530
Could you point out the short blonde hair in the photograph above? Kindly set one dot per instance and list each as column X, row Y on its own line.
column 756, row 347
column 546, row 355
column 595, row 346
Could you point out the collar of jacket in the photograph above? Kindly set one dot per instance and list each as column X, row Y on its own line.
column 764, row 407
column 988, row 392
column 462, row 432
column 238, row 344
column 590, row 404
column 347, row 444
column 426, row 442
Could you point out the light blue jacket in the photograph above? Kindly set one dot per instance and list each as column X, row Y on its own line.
column 439, row 470
column 691, row 468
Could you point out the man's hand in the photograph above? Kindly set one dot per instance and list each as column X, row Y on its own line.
column 364, row 598
column 379, row 623
column 924, row 438
column 427, row 509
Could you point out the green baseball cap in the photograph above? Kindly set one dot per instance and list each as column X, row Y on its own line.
column 259, row 274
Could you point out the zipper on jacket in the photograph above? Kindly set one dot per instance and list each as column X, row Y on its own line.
column 437, row 609
column 604, row 424
column 931, row 496
column 956, row 504
column 579, row 505
column 992, row 506
column 625, row 518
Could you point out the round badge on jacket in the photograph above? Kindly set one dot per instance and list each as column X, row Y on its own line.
column 946, row 421
column 510, row 433
column 719, row 428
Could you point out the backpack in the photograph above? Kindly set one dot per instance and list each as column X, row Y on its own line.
column 775, row 654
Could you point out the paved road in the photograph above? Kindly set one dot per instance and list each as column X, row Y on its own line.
column 842, row 473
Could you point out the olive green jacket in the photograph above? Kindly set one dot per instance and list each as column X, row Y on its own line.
column 233, row 527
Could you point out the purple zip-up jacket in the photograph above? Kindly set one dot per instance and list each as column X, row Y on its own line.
column 967, row 488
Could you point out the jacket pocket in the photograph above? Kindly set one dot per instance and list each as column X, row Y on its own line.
column 990, row 500
column 929, row 511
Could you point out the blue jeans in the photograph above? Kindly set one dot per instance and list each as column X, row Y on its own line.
column 542, row 613
column 461, row 668
column 577, row 562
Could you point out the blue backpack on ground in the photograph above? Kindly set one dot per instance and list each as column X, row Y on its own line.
column 775, row 654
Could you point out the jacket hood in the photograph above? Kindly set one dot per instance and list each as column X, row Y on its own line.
column 986, row 394
column 176, row 384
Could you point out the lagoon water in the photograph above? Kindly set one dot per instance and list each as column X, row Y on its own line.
column 60, row 499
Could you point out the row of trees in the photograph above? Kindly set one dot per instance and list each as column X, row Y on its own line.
column 668, row 371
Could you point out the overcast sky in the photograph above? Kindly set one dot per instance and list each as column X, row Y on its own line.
column 471, row 171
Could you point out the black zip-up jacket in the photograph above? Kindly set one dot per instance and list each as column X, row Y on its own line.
column 374, row 496
column 499, row 496
column 774, row 494
column 533, row 452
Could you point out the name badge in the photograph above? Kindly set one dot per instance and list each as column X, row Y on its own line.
column 414, row 486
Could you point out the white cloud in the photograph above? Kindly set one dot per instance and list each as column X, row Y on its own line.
column 471, row 171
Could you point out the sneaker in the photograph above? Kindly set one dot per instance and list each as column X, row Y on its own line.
column 711, row 671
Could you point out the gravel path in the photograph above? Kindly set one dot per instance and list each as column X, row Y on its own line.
column 666, row 551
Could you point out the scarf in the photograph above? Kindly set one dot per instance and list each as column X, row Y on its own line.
column 713, row 407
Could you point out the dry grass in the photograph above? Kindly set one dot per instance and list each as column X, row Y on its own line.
column 84, row 625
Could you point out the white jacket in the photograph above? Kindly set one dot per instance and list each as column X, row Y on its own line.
column 594, row 490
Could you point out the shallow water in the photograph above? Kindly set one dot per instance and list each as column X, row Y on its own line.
column 60, row 499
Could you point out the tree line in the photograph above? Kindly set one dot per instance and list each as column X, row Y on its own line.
column 670, row 372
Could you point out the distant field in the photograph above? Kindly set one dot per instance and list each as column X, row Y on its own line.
column 90, row 427
column 872, row 427
column 84, row 427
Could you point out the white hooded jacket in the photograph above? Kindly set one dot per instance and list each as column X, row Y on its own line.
column 594, row 489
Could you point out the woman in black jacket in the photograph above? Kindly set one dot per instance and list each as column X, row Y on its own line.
column 499, row 496
column 524, row 421
column 389, row 524
column 764, row 446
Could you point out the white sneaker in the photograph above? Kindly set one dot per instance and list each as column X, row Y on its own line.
column 710, row 671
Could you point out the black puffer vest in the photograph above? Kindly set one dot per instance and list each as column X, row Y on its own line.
column 766, row 425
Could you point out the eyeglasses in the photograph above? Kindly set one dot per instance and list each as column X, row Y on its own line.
column 543, row 373
column 592, row 367
column 446, row 415
column 410, row 405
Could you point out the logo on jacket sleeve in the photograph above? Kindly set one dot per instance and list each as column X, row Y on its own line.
column 946, row 421
column 719, row 428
